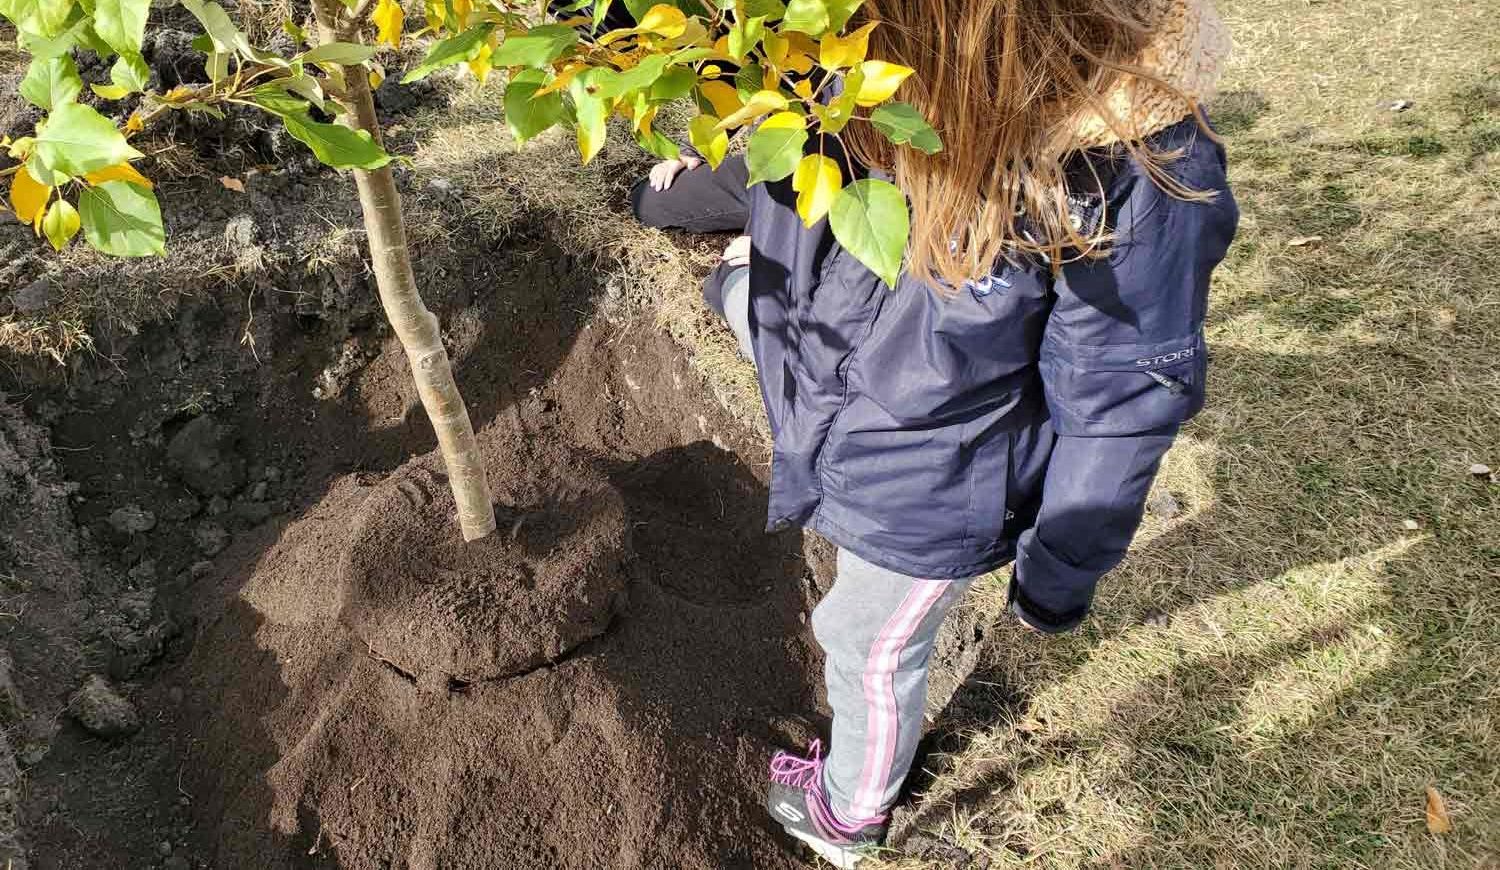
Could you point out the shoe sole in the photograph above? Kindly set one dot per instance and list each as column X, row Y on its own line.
column 838, row 857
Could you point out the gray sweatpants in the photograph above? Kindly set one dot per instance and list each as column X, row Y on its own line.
column 877, row 629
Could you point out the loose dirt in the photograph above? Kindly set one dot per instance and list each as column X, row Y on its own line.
column 335, row 679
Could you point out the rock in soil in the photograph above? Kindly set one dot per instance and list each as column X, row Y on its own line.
column 203, row 455
column 211, row 538
column 132, row 519
column 101, row 710
column 1163, row 504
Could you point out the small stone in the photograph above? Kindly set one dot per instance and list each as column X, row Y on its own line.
column 202, row 454
column 1156, row 619
column 258, row 492
column 1163, row 504
column 100, row 710
column 441, row 186
column 239, row 232
column 1480, row 470
column 211, row 539
column 1410, row 525
column 132, row 519
column 32, row 298
column 164, row 848
column 921, row 845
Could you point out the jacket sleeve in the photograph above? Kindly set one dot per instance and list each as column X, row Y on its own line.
column 1123, row 365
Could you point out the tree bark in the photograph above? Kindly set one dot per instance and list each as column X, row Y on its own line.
column 416, row 327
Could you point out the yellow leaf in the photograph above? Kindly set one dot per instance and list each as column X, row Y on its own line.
column 710, row 71
column 817, row 181
column 461, row 10
column 389, row 19
column 376, row 76
column 836, row 52
column 110, row 92
column 562, row 80
column 881, row 81
column 118, row 172
column 723, row 97
column 134, row 124
column 777, row 47
column 28, row 197
column 770, row 79
column 760, row 103
column 61, row 224
column 708, row 139
column 480, row 65
column 803, row 89
column 663, row 20
column 1438, row 820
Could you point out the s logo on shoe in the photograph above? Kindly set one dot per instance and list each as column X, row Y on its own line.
column 789, row 812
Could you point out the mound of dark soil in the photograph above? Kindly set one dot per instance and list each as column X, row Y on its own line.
column 446, row 611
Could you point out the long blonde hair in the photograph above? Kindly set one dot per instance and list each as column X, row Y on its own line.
column 1006, row 83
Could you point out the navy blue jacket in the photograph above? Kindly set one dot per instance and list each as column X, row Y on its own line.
column 1022, row 418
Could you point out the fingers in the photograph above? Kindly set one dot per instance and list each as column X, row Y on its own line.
column 662, row 174
column 690, row 162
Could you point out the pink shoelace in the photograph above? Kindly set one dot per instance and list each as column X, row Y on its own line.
column 806, row 773
column 798, row 772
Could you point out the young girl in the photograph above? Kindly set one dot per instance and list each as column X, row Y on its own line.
column 1012, row 398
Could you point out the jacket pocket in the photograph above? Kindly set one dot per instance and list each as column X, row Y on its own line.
column 989, row 486
column 1124, row 389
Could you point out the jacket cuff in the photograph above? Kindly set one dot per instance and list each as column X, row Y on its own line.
column 1046, row 592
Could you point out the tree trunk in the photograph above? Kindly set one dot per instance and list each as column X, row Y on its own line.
column 416, row 327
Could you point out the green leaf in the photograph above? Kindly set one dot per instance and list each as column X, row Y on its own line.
column 345, row 53
column 121, row 23
column 658, row 144
column 50, row 83
column 304, row 86
column 775, row 148
column 77, row 139
column 337, row 145
column 225, row 36
column 527, row 115
column 130, row 72
column 295, row 31
column 537, row 47
column 590, row 114
column 61, row 42
column 611, row 84
column 745, row 36
column 334, row 144
column 41, row 19
column 749, row 80
column 903, row 124
column 674, row 84
column 771, row 10
column 61, row 223
column 808, row 16
column 122, row 219
column 451, row 51
column 840, row 11
column 869, row 219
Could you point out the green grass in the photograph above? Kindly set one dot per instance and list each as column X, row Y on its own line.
column 1322, row 664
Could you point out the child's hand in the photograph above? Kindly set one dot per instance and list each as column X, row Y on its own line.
column 738, row 252
column 664, row 173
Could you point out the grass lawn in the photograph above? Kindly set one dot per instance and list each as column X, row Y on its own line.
column 1280, row 670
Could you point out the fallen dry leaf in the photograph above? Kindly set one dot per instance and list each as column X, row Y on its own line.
column 1304, row 241
column 233, row 184
column 1438, row 821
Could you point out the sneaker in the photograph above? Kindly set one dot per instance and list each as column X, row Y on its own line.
column 796, row 800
